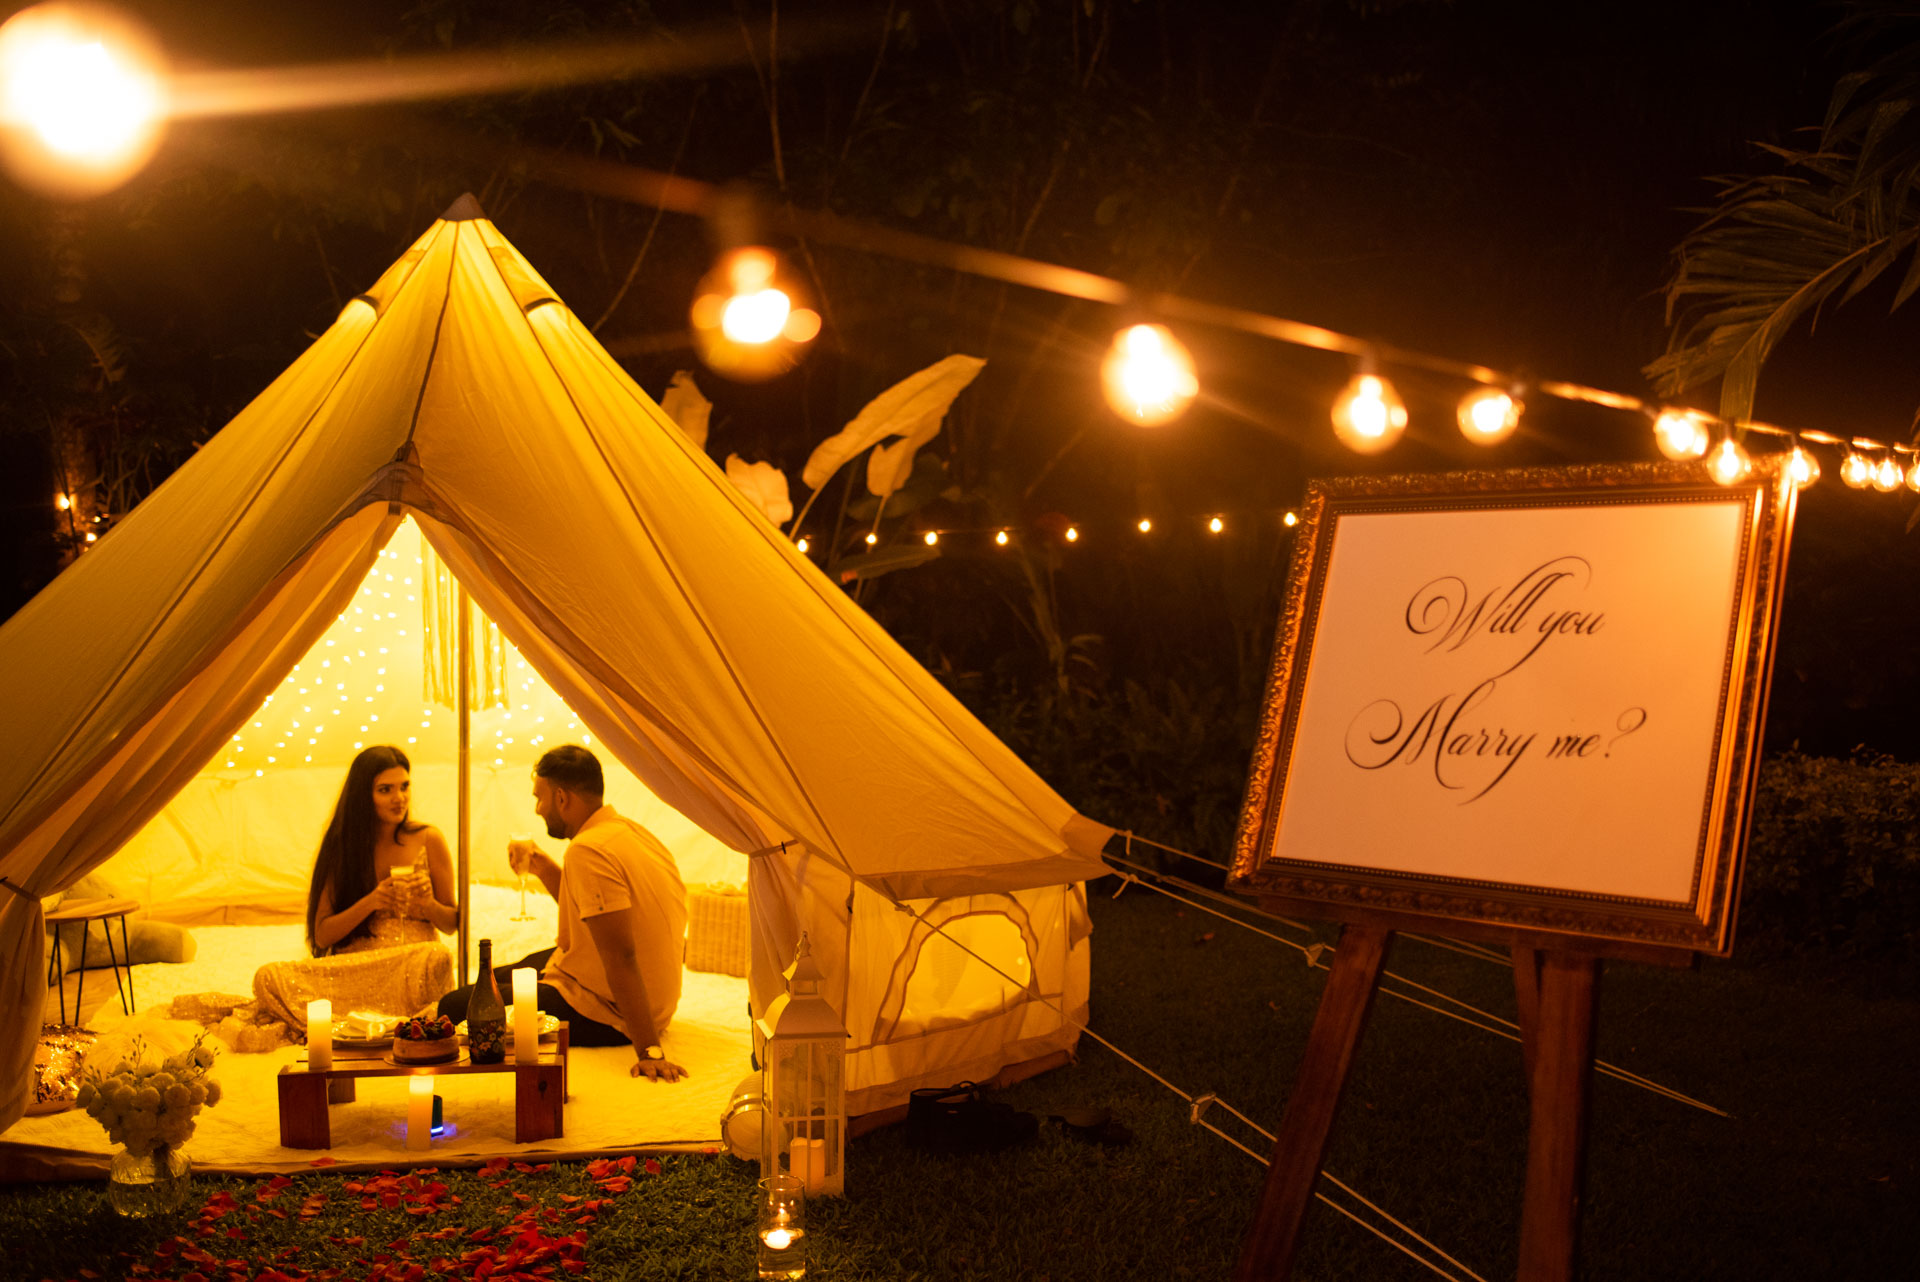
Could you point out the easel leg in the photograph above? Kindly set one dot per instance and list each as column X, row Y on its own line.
column 1561, row 1081
column 1301, row 1144
column 1526, row 991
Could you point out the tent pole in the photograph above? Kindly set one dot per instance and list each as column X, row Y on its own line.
column 463, row 648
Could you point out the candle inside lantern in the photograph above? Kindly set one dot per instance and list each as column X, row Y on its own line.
column 526, row 1016
column 319, row 1035
column 419, row 1110
column 811, row 1165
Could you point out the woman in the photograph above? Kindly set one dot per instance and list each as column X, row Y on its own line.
column 380, row 878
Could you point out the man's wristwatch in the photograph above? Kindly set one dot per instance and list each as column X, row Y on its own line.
column 652, row 1052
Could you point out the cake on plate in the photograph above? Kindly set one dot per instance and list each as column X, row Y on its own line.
column 425, row 1041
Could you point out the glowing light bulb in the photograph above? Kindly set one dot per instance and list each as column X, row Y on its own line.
column 1803, row 469
column 1073, row 534
column 1216, row 525
column 1148, row 375
column 92, row 537
column 82, row 98
column 1855, row 471
column 1913, row 475
column 931, row 537
column 1488, row 415
column 1001, row 538
column 1369, row 416
column 802, row 545
column 872, row 539
column 1887, row 474
column 1145, row 526
column 1680, row 434
column 1291, row 519
column 748, row 320
column 63, row 501
column 1729, row 464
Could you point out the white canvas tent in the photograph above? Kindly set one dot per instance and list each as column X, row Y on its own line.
column 694, row 643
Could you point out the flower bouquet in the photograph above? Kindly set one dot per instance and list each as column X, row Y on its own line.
column 149, row 1107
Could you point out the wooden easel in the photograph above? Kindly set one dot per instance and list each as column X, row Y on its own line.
column 1556, row 979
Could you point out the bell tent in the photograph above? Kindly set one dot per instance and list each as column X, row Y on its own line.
column 196, row 681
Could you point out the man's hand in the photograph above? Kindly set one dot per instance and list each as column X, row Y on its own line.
column 659, row 1070
column 520, row 856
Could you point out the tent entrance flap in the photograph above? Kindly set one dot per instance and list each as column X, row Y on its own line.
column 236, row 844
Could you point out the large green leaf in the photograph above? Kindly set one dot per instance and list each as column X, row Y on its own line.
column 911, row 408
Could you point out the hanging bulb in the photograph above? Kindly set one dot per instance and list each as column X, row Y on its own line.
column 1729, row 463
column 1073, row 534
column 748, row 321
column 1680, row 434
column 63, row 501
column 83, row 98
column 1369, row 416
column 1803, row 469
column 872, row 539
column 1488, row 415
column 1144, row 525
column 1215, row 525
column 1291, row 519
column 1855, row 471
column 1887, row 474
column 1001, row 538
column 1148, row 375
column 931, row 537
column 802, row 545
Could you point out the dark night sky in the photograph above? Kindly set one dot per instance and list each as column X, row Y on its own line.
column 1519, row 213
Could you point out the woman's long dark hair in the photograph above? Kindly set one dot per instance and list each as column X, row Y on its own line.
column 345, row 861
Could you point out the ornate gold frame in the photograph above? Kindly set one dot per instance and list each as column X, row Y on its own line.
column 1353, row 892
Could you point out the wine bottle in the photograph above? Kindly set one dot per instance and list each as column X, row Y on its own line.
column 486, row 1014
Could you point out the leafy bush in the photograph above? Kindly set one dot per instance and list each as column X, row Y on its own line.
column 1834, row 856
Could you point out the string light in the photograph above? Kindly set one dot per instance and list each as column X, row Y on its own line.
column 1369, row 416
column 1488, row 415
column 1803, row 469
column 931, row 537
column 1000, row 538
column 1215, row 525
column 1144, row 525
column 872, row 538
column 1887, row 474
column 82, row 98
column 748, row 319
column 802, row 545
column 1073, row 534
column 1148, row 375
column 63, row 501
column 1855, row 471
column 1291, row 519
column 1729, row 464
column 1680, row 434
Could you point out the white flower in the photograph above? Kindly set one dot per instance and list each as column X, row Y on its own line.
column 213, row 1092
column 161, row 1081
column 146, row 1098
column 197, row 1093
column 203, row 1056
column 178, row 1097
column 86, row 1096
column 765, row 487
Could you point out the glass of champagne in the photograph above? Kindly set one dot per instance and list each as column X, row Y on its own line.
column 523, row 914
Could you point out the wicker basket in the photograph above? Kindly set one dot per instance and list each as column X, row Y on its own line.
column 717, row 929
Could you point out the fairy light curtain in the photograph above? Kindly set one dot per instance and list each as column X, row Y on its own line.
column 440, row 643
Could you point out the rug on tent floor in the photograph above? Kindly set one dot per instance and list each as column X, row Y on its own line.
column 607, row 1109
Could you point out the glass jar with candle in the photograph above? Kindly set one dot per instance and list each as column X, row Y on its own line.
column 781, row 1230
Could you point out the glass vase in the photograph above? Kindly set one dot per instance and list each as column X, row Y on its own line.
column 153, row 1184
column 780, row 1231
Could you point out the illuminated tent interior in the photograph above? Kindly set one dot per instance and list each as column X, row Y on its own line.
column 766, row 727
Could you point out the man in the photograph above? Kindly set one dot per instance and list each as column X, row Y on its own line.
column 614, row 969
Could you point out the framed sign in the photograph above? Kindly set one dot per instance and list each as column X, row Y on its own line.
column 1529, row 699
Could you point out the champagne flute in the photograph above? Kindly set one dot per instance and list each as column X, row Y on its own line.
column 523, row 914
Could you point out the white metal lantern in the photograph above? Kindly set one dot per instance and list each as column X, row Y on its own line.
column 803, row 1083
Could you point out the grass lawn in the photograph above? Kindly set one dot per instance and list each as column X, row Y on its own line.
column 1816, row 1174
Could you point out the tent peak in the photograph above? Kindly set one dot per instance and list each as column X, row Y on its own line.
column 463, row 210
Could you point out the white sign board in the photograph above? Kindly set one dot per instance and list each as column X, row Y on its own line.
column 1525, row 699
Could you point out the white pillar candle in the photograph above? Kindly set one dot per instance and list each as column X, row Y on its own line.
column 319, row 1035
column 526, row 1016
column 419, row 1110
column 814, row 1159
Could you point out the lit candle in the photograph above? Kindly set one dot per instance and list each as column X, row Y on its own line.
column 526, row 1016
column 779, row 1239
column 319, row 1035
column 815, row 1172
column 419, row 1110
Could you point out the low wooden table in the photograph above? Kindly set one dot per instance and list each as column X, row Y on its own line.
column 85, row 911
column 539, row 1095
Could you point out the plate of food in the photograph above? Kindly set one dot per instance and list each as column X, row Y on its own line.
column 549, row 1024
column 425, row 1041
